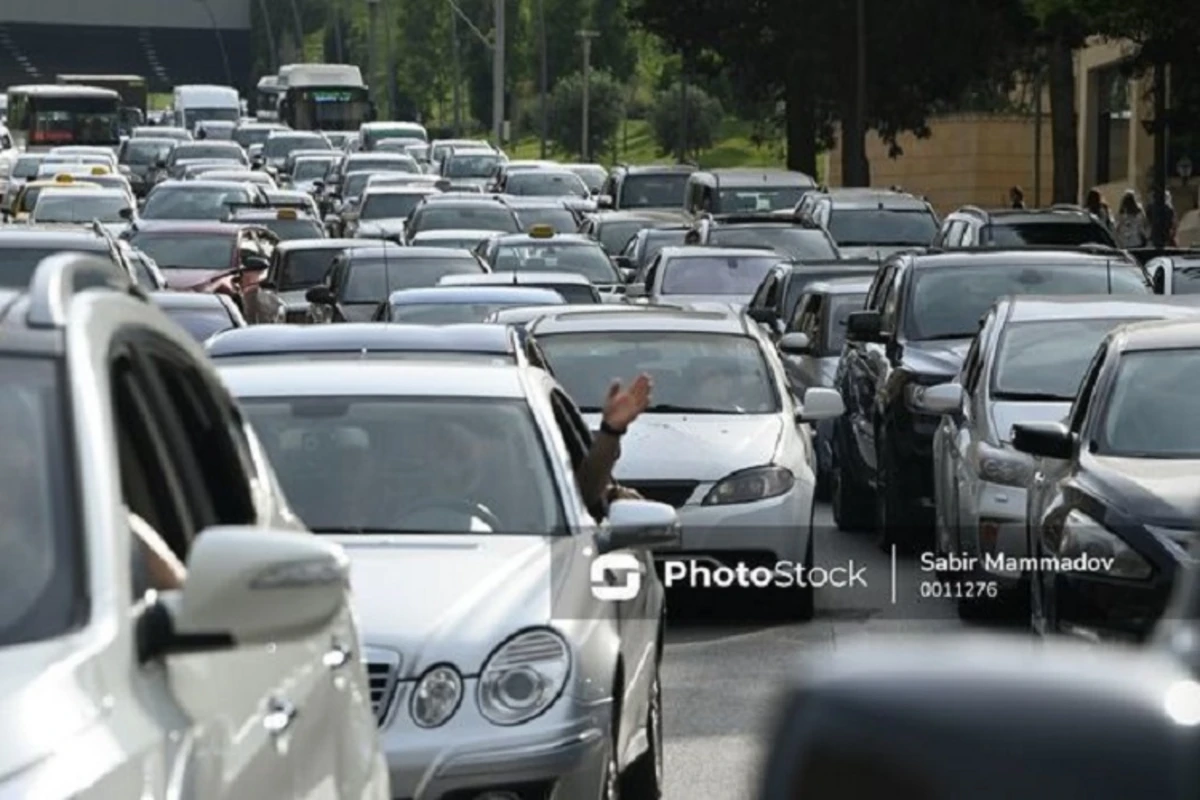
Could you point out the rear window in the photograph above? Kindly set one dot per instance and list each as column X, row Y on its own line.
column 303, row 269
column 228, row 151
column 653, row 191
column 1067, row 234
column 290, row 229
column 17, row 264
column 853, row 227
column 795, row 242
column 183, row 251
column 446, row 217
column 373, row 281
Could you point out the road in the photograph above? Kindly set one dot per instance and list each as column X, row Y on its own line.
column 720, row 675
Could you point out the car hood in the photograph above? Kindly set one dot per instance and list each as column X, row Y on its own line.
column 1006, row 413
column 183, row 279
column 936, row 358
column 454, row 597
column 393, row 226
column 694, row 447
column 700, row 301
column 1155, row 491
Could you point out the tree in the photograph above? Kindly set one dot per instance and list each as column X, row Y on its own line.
column 614, row 49
column 606, row 100
column 704, row 116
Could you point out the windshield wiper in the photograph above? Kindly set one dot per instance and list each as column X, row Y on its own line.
column 1031, row 397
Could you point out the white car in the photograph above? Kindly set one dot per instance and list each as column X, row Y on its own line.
column 724, row 440
column 705, row 275
column 122, row 453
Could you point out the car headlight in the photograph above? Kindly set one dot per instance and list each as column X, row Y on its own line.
column 1083, row 536
column 758, row 483
column 1005, row 467
column 437, row 696
column 523, row 677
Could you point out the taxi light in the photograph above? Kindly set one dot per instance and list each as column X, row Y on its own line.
column 64, row 178
column 286, row 213
column 541, row 232
column 99, row 170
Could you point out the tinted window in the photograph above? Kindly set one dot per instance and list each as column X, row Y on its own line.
column 1152, row 411
column 653, row 191
column 868, row 227
column 795, row 242
column 949, row 302
column 26, row 166
column 373, row 136
column 656, row 241
column 587, row 260
column 302, row 269
column 445, row 217
column 310, row 169
column 278, row 147
column 1051, row 233
column 692, row 372
column 444, row 313
column 841, row 306
column 731, row 275
column 145, row 153
column 39, row 557
column 592, row 176
column 17, row 264
column 389, row 206
column 393, row 164
column 201, row 324
column 544, row 183
column 208, row 151
column 1186, row 280
column 409, row 464
column 471, row 166
column 76, row 207
column 803, row 278
column 1047, row 360
column 187, row 252
column 291, row 229
column 373, row 281
column 613, row 236
column 562, row 220
column 192, row 203
column 773, row 198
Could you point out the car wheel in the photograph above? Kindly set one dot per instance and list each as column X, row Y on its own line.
column 644, row 779
column 851, row 502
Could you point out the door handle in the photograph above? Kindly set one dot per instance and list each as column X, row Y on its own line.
column 338, row 656
column 279, row 717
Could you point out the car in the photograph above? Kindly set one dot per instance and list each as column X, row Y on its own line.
column 189, row 152
column 279, row 145
column 308, row 172
column 475, row 343
column 295, row 267
column 811, row 347
column 369, row 162
column 215, row 129
column 145, row 269
column 649, row 186
column 198, row 200
column 528, row 676
column 505, row 168
column 645, row 245
column 465, row 166
column 384, row 211
column 724, row 441
column 593, row 175
column 560, row 216
column 193, row 170
column 774, row 302
column 206, row 256
column 27, row 196
column 443, row 305
column 248, row 134
column 288, row 222
column 871, row 223
column 614, row 229
column 440, row 148
column 683, row 275
column 745, row 189
column 574, row 287
column 292, row 198
column 219, row 173
column 1025, row 365
column 201, row 315
column 345, row 198
column 138, row 158
column 462, row 213
column 112, row 208
column 1178, row 273
column 971, row 226
column 23, row 247
column 457, row 239
column 24, row 169
column 787, row 234
column 1113, row 511
column 543, row 250
column 927, row 308
column 372, row 133
column 544, row 182
column 161, row 132
column 363, row 277
column 110, row 483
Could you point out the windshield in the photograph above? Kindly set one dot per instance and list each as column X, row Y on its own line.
column 310, row 169
column 560, row 219
column 145, row 153
column 183, row 251
column 728, row 275
column 373, row 281
column 947, row 303
column 698, row 373
column 410, row 464
column 445, row 217
column 471, row 165
column 775, row 198
column 1047, row 360
column 76, row 207
column 1152, row 410
column 17, row 264
column 869, row 227
column 192, row 203
column 653, row 191
column 277, row 147
column 587, row 260
column 1068, row 234
column 289, row 230
column 201, row 324
column 303, row 269
column 810, row 244
column 26, row 166
column 841, row 306
column 544, row 183
column 193, row 115
column 40, row 573
column 389, row 206
column 445, row 313
column 615, row 235
column 208, row 152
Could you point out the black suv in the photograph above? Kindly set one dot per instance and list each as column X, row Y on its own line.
column 650, row 186
column 783, row 232
column 920, row 315
column 1055, row 226
column 871, row 223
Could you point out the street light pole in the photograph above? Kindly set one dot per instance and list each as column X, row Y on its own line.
column 299, row 32
column 587, row 37
column 454, row 50
column 392, row 85
column 498, row 76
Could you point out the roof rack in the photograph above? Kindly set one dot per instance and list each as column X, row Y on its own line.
column 61, row 276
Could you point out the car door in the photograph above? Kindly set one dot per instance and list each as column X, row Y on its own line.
column 793, row 365
column 852, row 371
column 952, row 443
column 872, row 372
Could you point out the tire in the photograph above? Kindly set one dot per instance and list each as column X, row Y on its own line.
column 852, row 503
column 644, row 778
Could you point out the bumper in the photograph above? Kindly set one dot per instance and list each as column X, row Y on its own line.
column 996, row 533
column 773, row 529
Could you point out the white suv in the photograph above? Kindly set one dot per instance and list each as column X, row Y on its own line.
column 120, row 454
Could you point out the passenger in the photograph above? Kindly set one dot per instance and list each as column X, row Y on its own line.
column 621, row 408
column 164, row 570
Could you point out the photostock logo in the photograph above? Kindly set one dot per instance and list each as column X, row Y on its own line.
column 616, row 576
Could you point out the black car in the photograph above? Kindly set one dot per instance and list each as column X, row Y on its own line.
column 1114, row 507
column 1069, row 226
column 774, row 303
column 785, row 233
column 662, row 186
column 646, row 244
column 871, row 223
column 614, row 229
column 920, row 316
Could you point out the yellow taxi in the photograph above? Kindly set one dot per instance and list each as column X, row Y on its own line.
column 28, row 194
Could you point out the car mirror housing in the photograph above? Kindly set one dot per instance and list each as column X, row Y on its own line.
column 821, row 403
column 640, row 524
column 1045, row 439
column 795, row 344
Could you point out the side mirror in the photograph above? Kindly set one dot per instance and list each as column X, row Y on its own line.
column 251, row 586
column 820, row 403
column 640, row 524
column 795, row 344
column 126, row 214
column 635, row 290
column 864, row 326
column 604, row 201
column 257, row 161
column 945, row 398
column 320, row 296
column 1046, row 439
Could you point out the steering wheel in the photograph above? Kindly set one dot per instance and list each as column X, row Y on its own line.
column 457, row 506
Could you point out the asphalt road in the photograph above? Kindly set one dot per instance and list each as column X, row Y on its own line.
column 721, row 668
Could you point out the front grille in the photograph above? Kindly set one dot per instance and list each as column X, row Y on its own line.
column 673, row 493
column 383, row 670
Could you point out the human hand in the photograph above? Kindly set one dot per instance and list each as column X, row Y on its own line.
column 623, row 406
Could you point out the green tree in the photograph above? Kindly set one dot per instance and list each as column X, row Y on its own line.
column 704, row 116
column 606, row 100
column 613, row 50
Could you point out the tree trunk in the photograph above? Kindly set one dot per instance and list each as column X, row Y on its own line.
column 801, row 122
column 855, row 170
column 1061, row 74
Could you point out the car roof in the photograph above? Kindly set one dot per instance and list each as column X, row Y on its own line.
column 200, row 184
column 395, row 251
column 476, row 294
column 686, row 251
column 185, row 226
column 683, row 320
column 376, row 378
column 323, row 244
column 24, row 235
column 748, row 177
column 1041, row 308
column 1160, row 335
column 357, row 337
column 840, row 286
column 532, row 277
column 1017, row 216
column 558, row 238
column 884, row 199
column 443, row 234
column 179, row 300
column 96, row 191
column 271, row 215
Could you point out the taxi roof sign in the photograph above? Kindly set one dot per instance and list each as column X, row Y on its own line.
column 99, row 170
column 286, row 213
column 541, row 232
column 64, row 178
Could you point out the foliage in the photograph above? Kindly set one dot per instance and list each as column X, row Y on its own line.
column 704, row 115
column 606, row 100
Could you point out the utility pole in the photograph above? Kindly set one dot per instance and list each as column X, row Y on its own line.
column 299, row 31
column 266, row 15
column 859, row 129
column 544, row 76
column 1038, row 114
column 498, row 76
column 587, row 37
column 339, row 47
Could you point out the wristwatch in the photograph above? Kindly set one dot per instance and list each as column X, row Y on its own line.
column 610, row 430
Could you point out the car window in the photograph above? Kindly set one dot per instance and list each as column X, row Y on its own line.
column 372, row 281
column 193, row 203
column 442, row 216
column 585, row 259
column 653, row 191
column 560, row 219
column 841, row 306
column 793, row 241
column 80, row 207
column 389, row 206
column 302, row 269
column 751, row 199
column 715, row 275
column 187, row 251
column 870, row 227
column 1066, row 234
column 17, row 264
column 1047, row 360
column 1151, row 410
column 545, row 183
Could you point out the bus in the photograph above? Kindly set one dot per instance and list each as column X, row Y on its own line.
column 199, row 102
column 324, row 97
column 266, row 99
column 42, row 116
column 135, row 93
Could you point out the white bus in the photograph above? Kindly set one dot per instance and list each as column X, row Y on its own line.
column 42, row 116
column 266, row 99
column 324, row 97
column 197, row 102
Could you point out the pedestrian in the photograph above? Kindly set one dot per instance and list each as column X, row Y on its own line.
column 1098, row 207
column 1132, row 228
column 1016, row 197
column 1167, row 216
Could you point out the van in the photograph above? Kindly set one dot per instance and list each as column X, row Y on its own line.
column 203, row 102
column 732, row 191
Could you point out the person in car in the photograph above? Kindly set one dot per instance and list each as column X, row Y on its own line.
column 622, row 406
column 155, row 565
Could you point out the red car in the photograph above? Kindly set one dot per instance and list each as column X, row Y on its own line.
column 214, row 257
